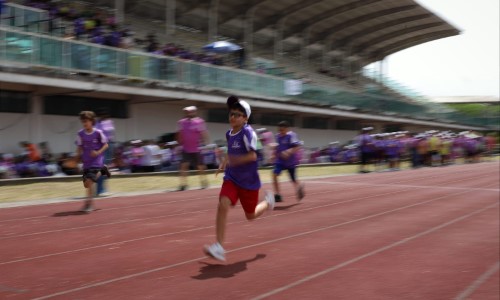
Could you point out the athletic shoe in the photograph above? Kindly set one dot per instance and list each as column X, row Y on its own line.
column 300, row 192
column 277, row 198
column 87, row 209
column 270, row 200
column 204, row 185
column 105, row 171
column 215, row 251
column 182, row 188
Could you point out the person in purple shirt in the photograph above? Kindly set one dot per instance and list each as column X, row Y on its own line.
column 192, row 131
column 241, row 179
column 286, row 159
column 366, row 147
column 91, row 144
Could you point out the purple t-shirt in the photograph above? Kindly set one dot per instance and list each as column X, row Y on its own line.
column 108, row 128
column 241, row 143
column 365, row 143
column 91, row 142
column 285, row 142
column 191, row 131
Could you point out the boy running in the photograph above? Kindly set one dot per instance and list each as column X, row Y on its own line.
column 241, row 179
column 91, row 144
column 286, row 159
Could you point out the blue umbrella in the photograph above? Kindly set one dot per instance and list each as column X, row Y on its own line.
column 221, row 47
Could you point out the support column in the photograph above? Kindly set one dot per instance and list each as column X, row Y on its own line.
column 120, row 11
column 326, row 59
column 249, row 32
column 278, row 39
column 213, row 21
column 170, row 18
column 304, row 51
column 36, row 119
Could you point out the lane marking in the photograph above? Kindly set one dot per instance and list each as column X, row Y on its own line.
column 372, row 253
column 133, row 275
column 191, row 230
column 405, row 185
column 201, row 198
column 478, row 282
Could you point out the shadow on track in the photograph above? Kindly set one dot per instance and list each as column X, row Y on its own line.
column 71, row 213
column 209, row 271
column 287, row 207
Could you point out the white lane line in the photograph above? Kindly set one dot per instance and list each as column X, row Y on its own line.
column 478, row 282
column 133, row 220
column 404, row 185
column 372, row 253
column 243, row 248
column 191, row 230
column 209, row 197
column 5, row 237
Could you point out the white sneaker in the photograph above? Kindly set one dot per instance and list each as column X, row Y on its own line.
column 270, row 200
column 215, row 251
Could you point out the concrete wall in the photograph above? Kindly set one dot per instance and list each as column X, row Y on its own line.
column 147, row 121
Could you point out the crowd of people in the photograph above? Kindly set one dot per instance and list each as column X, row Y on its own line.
column 384, row 150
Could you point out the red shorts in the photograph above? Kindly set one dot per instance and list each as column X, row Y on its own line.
column 248, row 198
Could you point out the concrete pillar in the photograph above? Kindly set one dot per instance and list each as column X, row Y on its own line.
column 170, row 18
column 304, row 51
column 36, row 119
column 213, row 20
column 278, row 39
column 120, row 11
column 248, row 36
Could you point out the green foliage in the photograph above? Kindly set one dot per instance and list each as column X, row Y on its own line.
column 476, row 109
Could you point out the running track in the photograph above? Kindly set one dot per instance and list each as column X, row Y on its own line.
column 416, row 234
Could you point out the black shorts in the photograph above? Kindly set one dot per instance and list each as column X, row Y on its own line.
column 194, row 159
column 366, row 157
column 91, row 174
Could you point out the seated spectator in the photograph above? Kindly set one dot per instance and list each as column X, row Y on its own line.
column 151, row 160
column 68, row 164
column 135, row 156
column 31, row 151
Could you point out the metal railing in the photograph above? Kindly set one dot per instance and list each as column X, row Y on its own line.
column 81, row 57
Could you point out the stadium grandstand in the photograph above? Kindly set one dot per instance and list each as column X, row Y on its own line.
column 300, row 60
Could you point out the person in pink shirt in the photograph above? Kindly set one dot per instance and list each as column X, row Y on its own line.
column 192, row 132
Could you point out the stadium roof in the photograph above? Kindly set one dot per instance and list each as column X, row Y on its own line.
column 365, row 29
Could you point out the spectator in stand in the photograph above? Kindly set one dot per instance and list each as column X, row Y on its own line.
column 2, row 6
column 192, row 132
column 68, row 164
column 151, row 160
column 46, row 154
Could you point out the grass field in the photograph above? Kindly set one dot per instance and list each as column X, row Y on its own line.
column 53, row 190
column 117, row 185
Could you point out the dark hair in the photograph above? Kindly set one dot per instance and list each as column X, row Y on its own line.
column 237, row 106
column 87, row 115
column 285, row 124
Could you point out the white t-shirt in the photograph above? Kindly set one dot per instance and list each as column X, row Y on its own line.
column 151, row 155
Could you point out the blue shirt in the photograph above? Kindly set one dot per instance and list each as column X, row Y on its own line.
column 238, row 144
column 285, row 142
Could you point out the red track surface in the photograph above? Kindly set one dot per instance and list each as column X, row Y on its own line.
column 417, row 234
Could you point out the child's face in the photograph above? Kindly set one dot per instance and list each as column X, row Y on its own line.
column 282, row 130
column 237, row 118
column 87, row 124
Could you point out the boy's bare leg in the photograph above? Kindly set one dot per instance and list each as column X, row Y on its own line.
column 203, row 178
column 220, row 225
column 260, row 208
column 276, row 185
column 183, row 175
